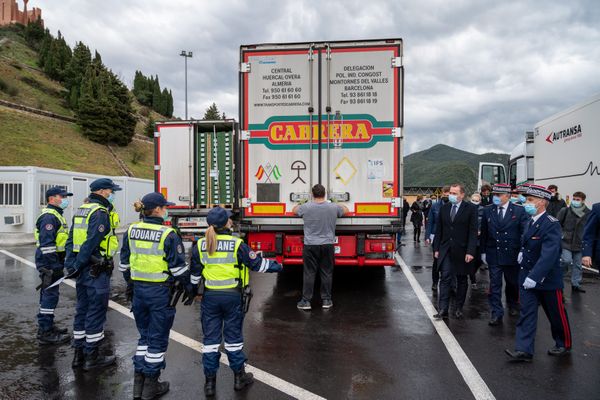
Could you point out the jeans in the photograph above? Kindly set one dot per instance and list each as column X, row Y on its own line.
column 572, row 258
column 318, row 258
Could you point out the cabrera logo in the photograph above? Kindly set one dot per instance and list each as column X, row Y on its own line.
column 571, row 133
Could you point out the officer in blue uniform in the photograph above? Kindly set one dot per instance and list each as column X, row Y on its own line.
column 541, row 279
column 90, row 247
column 153, row 265
column 502, row 226
column 223, row 261
column 591, row 238
column 51, row 234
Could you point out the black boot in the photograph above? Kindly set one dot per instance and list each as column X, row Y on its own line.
column 59, row 329
column 52, row 337
column 153, row 388
column 242, row 379
column 94, row 360
column 210, row 386
column 138, row 385
column 78, row 358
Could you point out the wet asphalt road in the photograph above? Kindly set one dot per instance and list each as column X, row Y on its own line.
column 376, row 343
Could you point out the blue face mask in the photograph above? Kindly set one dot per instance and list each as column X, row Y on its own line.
column 452, row 198
column 65, row 203
column 576, row 203
column 111, row 198
column 514, row 199
column 496, row 200
column 522, row 199
column 166, row 214
column 530, row 208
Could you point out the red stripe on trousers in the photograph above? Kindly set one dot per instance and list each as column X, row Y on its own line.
column 563, row 318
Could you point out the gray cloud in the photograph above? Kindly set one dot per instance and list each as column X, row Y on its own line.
column 478, row 73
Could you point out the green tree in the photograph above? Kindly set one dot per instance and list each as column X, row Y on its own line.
column 212, row 113
column 82, row 58
column 150, row 127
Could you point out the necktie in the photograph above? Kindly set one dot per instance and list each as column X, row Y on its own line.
column 453, row 212
column 530, row 223
column 500, row 214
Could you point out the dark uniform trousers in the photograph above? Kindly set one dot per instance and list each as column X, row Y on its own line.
column 318, row 258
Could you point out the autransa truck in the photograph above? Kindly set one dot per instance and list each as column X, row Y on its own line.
column 329, row 113
column 562, row 150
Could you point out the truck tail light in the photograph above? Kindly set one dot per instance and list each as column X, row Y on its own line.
column 381, row 246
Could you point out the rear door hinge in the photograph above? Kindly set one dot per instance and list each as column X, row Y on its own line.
column 246, row 202
column 396, row 62
column 397, row 132
column 245, row 135
column 157, row 167
column 156, row 134
column 397, row 202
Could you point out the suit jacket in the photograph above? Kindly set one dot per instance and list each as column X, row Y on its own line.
column 457, row 238
column 591, row 235
column 541, row 254
column 433, row 218
column 501, row 237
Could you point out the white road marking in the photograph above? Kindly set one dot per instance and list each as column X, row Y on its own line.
column 472, row 378
column 271, row 380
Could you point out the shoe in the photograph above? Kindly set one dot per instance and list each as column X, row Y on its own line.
column 327, row 304
column 441, row 315
column 459, row 314
column 94, row 360
column 513, row 312
column 519, row 356
column 153, row 389
column 59, row 330
column 474, row 286
column 558, row 351
column 210, row 386
column 495, row 321
column 434, row 288
column 303, row 305
column 78, row 358
column 577, row 289
column 242, row 379
column 52, row 337
column 138, row 385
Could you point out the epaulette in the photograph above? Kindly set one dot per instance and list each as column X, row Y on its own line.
column 552, row 219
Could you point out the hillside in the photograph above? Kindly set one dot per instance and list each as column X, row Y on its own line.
column 29, row 139
column 441, row 164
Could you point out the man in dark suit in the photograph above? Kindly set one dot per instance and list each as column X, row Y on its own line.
column 591, row 238
column 455, row 246
column 502, row 226
column 540, row 279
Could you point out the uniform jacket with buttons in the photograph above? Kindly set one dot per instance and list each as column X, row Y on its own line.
column 591, row 235
column 541, row 254
column 501, row 237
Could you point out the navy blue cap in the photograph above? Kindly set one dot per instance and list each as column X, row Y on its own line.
column 218, row 217
column 153, row 200
column 104, row 183
column 56, row 190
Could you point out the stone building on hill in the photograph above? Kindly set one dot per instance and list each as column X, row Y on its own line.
column 10, row 13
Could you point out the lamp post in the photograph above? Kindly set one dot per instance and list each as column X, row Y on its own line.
column 186, row 55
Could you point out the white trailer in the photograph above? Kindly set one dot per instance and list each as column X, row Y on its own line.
column 22, row 197
column 563, row 151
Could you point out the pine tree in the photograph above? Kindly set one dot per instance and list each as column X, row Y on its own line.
column 75, row 70
column 212, row 113
column 149, row 129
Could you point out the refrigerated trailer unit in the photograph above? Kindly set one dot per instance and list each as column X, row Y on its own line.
column 195, row 169
column 563, row 150
column 329, row 113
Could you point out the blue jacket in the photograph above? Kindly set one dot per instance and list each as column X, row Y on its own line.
column 245, row 256
column 591, row 235
column 541, row 247
column 501, row 239
column 434, row 213
column 174, row 254
column 46, row 255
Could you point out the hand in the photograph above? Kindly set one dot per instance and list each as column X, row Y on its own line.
column 483, row 259
column 436, row 254
column 529, row 283
column 468, row 258
column 520, row 257
column 191, row 291
column 587, row 261
column 71, row 272
column 129, row 292
column 427, row 242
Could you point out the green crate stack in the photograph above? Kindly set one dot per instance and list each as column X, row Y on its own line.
column 220, row 149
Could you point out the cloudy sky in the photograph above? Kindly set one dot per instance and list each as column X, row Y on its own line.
column 478, row 73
